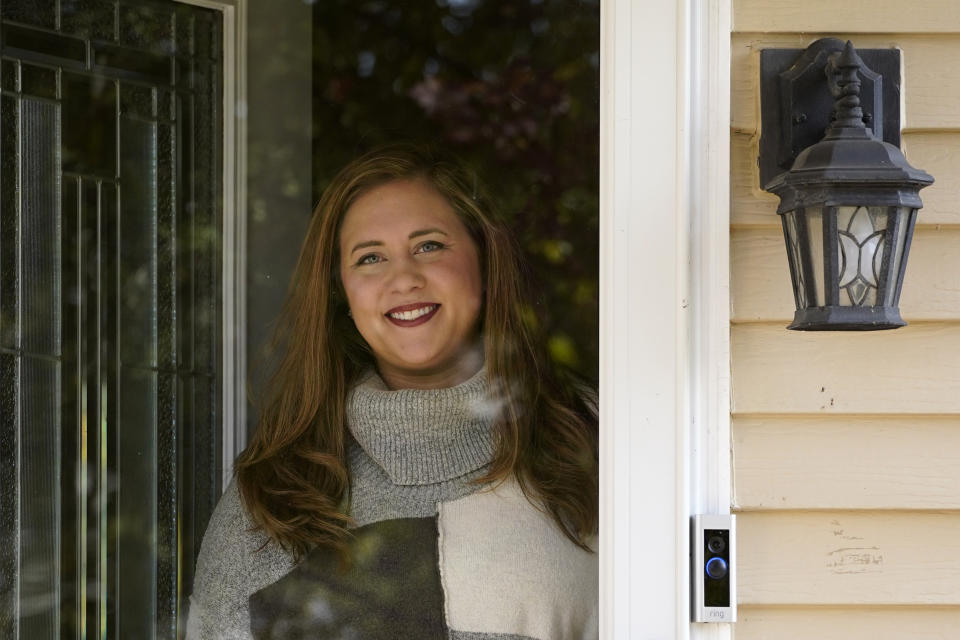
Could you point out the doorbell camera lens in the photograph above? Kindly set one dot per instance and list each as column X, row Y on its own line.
column 716, row 568
column 716, row 544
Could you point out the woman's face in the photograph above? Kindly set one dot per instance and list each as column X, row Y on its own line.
column 412, row 277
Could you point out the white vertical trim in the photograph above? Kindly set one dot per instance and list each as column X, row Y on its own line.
column 664, row 368
column 234, row 231
column 641, row 320
column 708, row 147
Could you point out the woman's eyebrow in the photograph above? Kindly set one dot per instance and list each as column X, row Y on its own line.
column 424, row 232
column 365, row 244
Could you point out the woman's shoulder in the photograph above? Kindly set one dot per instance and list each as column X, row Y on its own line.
column 235, row 560
column 233, row 536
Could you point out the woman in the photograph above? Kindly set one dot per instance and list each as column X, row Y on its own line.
column 419, row 469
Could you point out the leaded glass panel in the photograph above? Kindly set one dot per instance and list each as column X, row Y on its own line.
column 109, row 313
column 861, row 240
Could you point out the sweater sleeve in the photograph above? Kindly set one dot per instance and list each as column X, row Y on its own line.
column 235, row 561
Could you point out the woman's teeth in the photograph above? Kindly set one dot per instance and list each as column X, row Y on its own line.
column 412, row 315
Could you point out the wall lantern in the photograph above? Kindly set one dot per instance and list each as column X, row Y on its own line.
column 848, row 203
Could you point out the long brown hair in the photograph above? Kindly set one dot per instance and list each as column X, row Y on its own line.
column 293, row 475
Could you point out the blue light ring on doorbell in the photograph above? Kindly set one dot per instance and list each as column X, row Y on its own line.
column 713, row 568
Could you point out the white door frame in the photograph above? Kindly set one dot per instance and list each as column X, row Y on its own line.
column 664, row 308
column 233, row 363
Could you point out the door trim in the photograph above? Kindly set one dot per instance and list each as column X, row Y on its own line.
column 664, row 305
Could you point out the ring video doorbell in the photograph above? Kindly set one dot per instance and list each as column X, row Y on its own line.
column 713, row 541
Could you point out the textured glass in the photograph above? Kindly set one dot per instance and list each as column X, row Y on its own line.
column 40, row 233
column 40, row 516
column 89, row 125
column 184, row 34
column 137, row 65
column 9, row 495
column 166, row 250
column 136, row 100
column 9, row 222
column 167, row 468
column 136, row 475
column 860, row 237
column 31, row 42
column 9, row 75
column 89, row 18
column 41, row 13
column 813, row 218
column 38, row 81
column 165, row 104
column 100, row 257
column 138, row 243
column 73, row 403
column 148, row 27
column 794, row 254
column 205, row 39
column 905, row 214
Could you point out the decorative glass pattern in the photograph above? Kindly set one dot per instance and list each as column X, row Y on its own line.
column 860, row 236
column 109, row 313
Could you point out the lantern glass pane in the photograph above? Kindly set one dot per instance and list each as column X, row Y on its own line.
column 813, row 218
column 794, row 253
column 861, row 233
column 904, row 213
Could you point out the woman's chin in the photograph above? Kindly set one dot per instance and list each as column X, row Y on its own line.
column 430, row 372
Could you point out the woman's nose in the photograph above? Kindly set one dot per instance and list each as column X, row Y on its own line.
column 407, row 276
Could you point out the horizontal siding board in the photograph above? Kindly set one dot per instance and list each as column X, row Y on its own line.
column 912, row 370
column 931, row 102
column 847, row 462
column 880, row 16
column 847, row 623
column 938, row 153
column 843, row 558
column 760, row 276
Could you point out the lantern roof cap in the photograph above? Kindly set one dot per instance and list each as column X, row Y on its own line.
column 849, row 162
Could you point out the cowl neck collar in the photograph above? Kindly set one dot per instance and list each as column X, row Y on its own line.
column 424, row 436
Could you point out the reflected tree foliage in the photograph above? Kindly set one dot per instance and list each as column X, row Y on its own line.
column 512, row 87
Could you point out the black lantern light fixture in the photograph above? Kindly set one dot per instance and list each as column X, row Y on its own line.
column 848, row 203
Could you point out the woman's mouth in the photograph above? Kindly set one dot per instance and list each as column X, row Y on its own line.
column 411, row 315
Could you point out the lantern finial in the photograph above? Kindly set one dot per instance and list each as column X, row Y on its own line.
column 843, row 77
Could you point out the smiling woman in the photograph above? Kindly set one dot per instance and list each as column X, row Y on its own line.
column 420, row 468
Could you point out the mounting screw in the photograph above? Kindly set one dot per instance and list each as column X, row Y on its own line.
column 799, row 118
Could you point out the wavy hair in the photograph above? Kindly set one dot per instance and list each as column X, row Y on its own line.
column 293, row 475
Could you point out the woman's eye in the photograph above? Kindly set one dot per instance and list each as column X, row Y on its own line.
column 370, row 258
column 429, row 246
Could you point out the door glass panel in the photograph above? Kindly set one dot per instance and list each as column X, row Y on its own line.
column 109, row 313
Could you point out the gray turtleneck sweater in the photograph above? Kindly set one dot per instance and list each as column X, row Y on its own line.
column 435, row 555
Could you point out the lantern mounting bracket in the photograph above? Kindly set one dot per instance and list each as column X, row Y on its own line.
column 796, row 101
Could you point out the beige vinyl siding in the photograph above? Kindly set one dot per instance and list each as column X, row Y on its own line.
column 846, row 446
column 847, row 623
